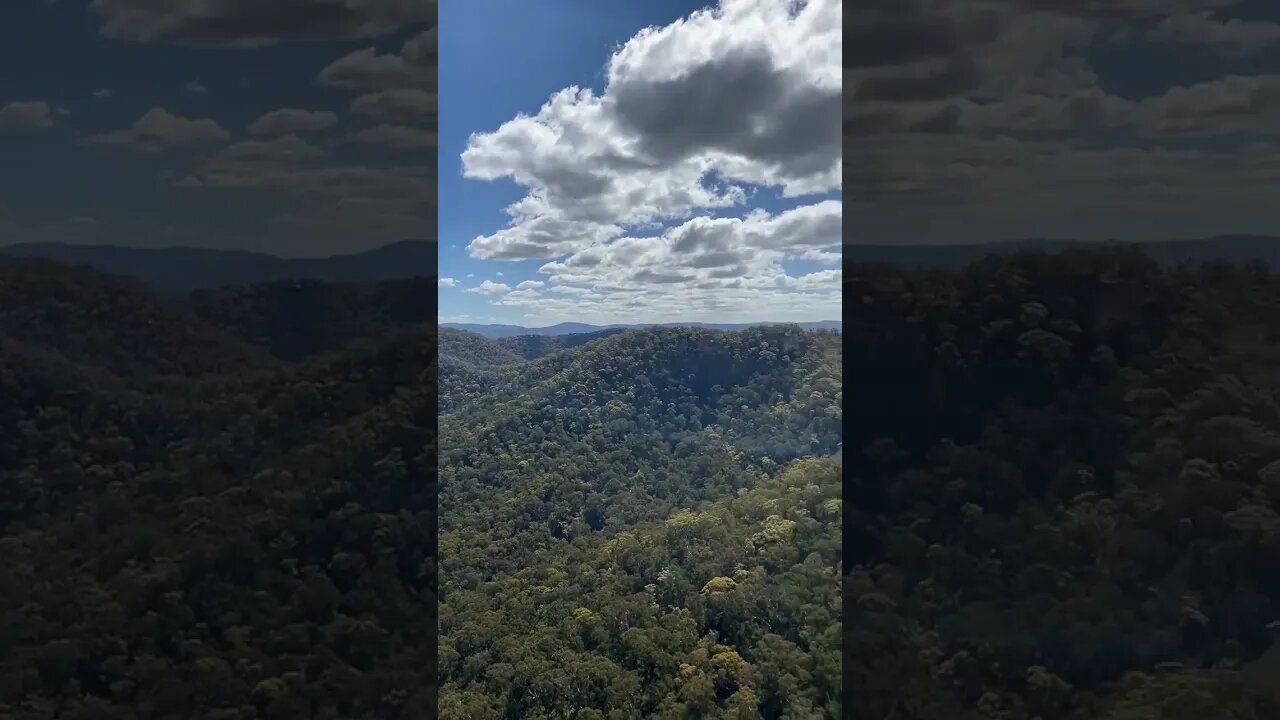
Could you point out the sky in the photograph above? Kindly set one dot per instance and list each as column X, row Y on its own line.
column 973, row 121
column 300, row 128
column 640, row 162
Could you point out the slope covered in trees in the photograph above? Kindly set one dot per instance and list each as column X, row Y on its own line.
column 1061, row 490
column 191, row 527
column 296, row 319
column 629, row 527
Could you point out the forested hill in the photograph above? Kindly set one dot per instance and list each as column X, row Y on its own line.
column 1234, row 248
column 1063, row 478
column 625, row 526
column 192, row 526
column 179, row 270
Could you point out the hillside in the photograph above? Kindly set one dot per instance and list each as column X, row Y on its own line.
column 640, row 443
column 1061, row 489
column 115, row 324
column 299, row 319
column 193, row 527
column 180, row 270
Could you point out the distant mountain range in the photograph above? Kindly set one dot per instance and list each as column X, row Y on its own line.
column 183, row 269
column 1232, row 248
column 571, row 328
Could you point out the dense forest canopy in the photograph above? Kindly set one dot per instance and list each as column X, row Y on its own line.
column 1059, row 499
column 1061, row 491
column 641, row 524
column 224, row 509
column 221, row 509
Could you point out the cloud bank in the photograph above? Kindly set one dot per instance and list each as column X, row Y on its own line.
column 693, row 120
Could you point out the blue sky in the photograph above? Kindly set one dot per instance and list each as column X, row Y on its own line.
column 490, row 73
column 325, row 177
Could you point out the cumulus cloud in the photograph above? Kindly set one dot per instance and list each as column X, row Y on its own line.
column 102, row 93
column 489, row 287
column 296, row 167
column 746, row 93
column 1232, row 36
column 26, row 114
column 705, row 252
column 447, row 282
column 321, row 197
column 286, row 121
column 405, row 106
column 196, row 88
column 422, row 49
column 704, row 268
column 413, row 67
column 255, row 23
column 397, row 136
column 158, row 129
column 257, row 163
column 691, row 304
column 999, row 119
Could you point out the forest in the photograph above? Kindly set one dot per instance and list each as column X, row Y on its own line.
column 222, row 509
column 1061, row 490
column 640, row 524
column 1058, row 497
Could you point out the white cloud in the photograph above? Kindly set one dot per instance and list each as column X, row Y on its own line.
column 530, row 285
column 422, row 48
column 159, row 129
column 286, row 121
column 1000, row 120
column 489, row 287
column 820, row 280
column 251, row 23
column 745, row 93
column 718, row 305
column 516, row 297
column 368, row 70
column 397, row 136
column 822, row 256
column 404, row 105
column 691, row 270
column 29, row 115
column 705, row 252
column 447, row 282
column 1232, row 36
column 334, row 204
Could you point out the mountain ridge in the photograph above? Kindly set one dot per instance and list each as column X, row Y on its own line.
column 1229, row 247
column 498, row 330
column 182, row 269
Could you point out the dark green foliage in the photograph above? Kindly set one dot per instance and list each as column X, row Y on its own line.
column 621, row 531
column 1058, row 490
column 298, row 319
column 192, row 529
